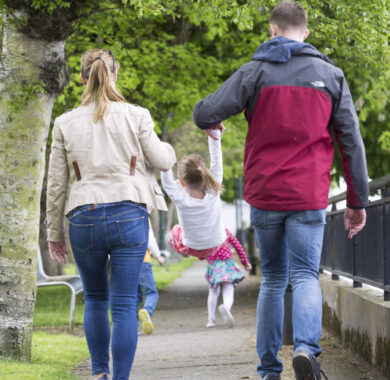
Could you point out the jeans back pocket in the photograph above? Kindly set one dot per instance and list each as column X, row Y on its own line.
column 132, row 231
column 81, row 236
column 312, row 217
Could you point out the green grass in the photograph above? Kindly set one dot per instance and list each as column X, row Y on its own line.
column 52, row 307
column 53, row 356
column 165, row 276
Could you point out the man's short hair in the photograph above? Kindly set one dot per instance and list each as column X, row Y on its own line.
column 288, row 15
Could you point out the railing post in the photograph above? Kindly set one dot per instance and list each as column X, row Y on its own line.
column 386, row 244
column 333, row 249
column 356, row 284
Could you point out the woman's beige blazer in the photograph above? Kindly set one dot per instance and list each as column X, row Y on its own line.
column 109, row 161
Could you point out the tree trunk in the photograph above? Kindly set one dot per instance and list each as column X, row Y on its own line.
column 26, row 66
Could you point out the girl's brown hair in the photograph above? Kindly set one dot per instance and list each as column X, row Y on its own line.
column 193, row 171
column 98, row 69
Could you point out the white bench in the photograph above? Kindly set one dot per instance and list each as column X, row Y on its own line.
column 73, row 282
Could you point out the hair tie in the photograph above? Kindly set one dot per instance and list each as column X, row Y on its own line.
column 97, row 59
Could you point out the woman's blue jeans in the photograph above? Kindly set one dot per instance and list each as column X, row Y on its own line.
column 290, row 247
column 147, row 287
column 119, row 232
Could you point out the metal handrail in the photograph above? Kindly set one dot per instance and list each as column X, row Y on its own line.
column 374, row 185
column 345, row 257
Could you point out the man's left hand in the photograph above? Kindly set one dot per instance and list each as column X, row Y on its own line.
column 354, row 221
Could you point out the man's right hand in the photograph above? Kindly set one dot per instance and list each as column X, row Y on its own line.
column 354, row 221
column 209, row 132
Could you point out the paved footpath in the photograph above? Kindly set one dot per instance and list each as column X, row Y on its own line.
column 182, row 348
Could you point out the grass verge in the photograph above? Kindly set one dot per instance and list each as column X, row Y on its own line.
column 164, row 276
column 53, row 356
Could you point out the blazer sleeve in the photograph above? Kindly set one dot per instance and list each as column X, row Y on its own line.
column 57, row 187
column 346, row 126
column 160, row 155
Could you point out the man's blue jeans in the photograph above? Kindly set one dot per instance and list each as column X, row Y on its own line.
column 121, row 231
column 147, row 287
column 290, row 247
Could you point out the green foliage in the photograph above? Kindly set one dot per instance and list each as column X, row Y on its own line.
column 355, row 35
column 173, row 53
column 384, row 141
column 53, row 356
column 171, row 60
column 49, row 5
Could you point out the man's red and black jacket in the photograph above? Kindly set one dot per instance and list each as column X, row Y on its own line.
column 295, row 109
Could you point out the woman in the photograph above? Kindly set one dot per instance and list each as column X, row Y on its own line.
column 101, row 177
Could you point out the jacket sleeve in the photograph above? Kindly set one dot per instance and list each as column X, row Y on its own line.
column 346, row 127
column 57, row 187
column 230, row 99
column 160, row 155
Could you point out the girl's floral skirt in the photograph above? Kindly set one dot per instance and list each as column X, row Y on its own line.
column 223, row 271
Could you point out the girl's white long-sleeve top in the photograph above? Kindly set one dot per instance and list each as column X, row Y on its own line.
column 200, row 219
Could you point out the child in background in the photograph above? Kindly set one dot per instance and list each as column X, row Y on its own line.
column 223, row 272
column 196, row 194
column 147, row 286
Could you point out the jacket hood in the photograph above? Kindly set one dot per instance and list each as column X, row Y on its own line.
column 281, row 49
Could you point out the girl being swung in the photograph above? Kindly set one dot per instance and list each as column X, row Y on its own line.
column 101, row 177
column 196, row 194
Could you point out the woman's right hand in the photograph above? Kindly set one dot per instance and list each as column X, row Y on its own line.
column 58, row 251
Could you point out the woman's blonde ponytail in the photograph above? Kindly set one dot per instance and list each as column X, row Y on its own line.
column 98, row 69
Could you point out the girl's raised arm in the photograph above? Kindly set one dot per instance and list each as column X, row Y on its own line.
column 216, row 167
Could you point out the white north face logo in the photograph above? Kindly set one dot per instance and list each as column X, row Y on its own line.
column 318, row 83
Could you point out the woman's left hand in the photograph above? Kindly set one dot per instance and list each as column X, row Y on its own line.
column 58, row 251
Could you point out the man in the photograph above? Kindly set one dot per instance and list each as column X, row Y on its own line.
column 295, row 101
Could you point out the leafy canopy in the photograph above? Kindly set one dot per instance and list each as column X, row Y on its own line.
column 173, row 53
